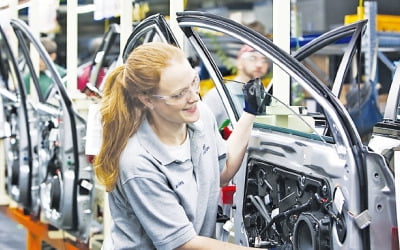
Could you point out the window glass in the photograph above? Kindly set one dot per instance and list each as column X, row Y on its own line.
column 238, row 62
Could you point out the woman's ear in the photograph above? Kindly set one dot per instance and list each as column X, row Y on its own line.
column 147, row 101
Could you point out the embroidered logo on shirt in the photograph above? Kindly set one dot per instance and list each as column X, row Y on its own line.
column 205, row 149
column 179, row 184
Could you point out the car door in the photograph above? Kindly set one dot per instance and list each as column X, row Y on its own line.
column 153, row 28
column 15, row 128
column 307, row 182
column 385, row 137
column 92, row 73
column 61, row 178
column 360, row 95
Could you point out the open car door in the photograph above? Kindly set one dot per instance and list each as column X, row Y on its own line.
column 60, row 176
column 106, row 56
column 308, row 182
column 16, row 128
column 151, row 29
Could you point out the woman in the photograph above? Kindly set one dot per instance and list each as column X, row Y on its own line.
column 162, row 159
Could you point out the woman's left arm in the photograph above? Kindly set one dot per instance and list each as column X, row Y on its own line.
column 253, row 93
column 237, row 145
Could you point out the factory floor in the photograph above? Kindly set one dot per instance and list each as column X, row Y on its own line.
column 12, row 235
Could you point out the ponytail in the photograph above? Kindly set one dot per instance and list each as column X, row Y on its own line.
column 121, row 115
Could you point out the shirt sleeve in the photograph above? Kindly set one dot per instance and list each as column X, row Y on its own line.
column 158, row 210
column 219, row 141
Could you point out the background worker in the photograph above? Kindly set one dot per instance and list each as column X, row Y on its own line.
column 45, row 80
column 162, row 159
column 250, row 65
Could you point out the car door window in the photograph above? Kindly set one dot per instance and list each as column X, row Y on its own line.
column 301, row 116
column 287, row 165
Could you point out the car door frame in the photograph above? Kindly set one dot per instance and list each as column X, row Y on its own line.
column 74, row 166
column 336, row 111
column 346, row 133
column 17, row 100
column 157, row 25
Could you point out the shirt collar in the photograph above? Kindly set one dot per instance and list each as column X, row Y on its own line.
column 152, row 144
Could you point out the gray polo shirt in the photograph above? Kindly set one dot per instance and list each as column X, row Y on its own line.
column 161, row 202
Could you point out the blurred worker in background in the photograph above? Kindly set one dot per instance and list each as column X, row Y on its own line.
column 162, row 159
column 250, row 65
column 45, row 80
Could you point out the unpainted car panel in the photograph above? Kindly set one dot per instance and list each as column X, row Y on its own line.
column 386, row 134
column 335, row 168
column 381, row 199
column 385, row 141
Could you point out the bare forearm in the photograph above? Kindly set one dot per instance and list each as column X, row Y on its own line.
column 237, row 145
column 200, row 243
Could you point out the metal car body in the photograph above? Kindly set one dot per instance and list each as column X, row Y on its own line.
column 60, row 178
column 389, row 126
column 385, row 138
column 16, row 129
column 307, row 181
